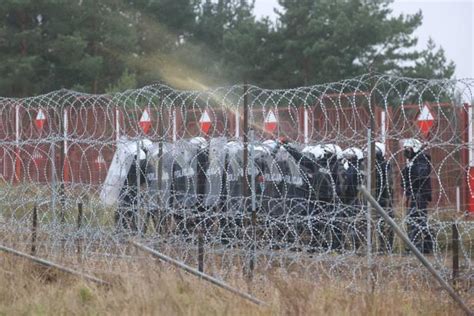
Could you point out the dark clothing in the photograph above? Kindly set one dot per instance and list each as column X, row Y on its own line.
column 383, row 191
column 418, row 229
column 383, row 183
column 321, row 180
column 416, row 178
column 319, row 176
column 127, row 212
column 351, row 180
column 129, row 189
column 416, row 182
column 352, row 205
column 202, row 166
column 334, row 167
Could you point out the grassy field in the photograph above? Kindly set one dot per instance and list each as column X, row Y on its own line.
column 153, row 288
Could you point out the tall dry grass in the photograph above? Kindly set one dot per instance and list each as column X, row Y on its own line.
column 153, row 288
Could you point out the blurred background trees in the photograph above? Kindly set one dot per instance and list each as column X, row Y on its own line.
column 102, row 46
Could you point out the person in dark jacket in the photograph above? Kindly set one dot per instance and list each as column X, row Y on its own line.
column 383, row 192
column 351, row 202
column 201, row 181
column 416, row 183
column 319, row 170
column 126, row 216
column 189, row 176
column 352, row 177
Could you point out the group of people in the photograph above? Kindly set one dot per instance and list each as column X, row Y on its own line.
column 345, row 171
column 199, row 177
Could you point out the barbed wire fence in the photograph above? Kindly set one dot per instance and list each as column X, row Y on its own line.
column 212, row 178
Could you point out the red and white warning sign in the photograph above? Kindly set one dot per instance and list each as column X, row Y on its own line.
column 40, row 119
column 37, row 156
column 145, row 121
column 270, row 122
column 100, row 159
column 205, row 122
column 425, row 120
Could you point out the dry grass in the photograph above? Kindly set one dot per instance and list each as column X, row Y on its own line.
column 156, row 289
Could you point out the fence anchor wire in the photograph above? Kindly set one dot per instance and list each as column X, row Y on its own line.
column 50, row 264
column 192, row 271
column 415, row 250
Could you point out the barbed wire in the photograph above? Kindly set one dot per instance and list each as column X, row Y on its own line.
column 262, row 178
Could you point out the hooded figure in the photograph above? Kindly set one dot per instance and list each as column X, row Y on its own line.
column 416, row 183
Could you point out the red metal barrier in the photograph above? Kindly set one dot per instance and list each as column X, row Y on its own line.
column 92, row 132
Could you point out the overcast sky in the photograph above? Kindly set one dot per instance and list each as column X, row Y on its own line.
column 449, row 23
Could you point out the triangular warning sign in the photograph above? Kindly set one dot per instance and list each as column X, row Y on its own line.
column 270, row 122
column 145, row 121
column 425, row 114
column 425, row 120
column 36, row 155
column 205, row 122
column 40, row 119
column 100, row 159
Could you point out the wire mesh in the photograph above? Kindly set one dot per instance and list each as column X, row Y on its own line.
column 268, row 178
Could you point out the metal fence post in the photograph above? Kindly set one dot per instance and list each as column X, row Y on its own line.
column 136, row 216
column 455, row 240
column 245, row 184
column 415, row 251
column 79, row 224
column 369, row 210
column 200, row 249
column 254, row 204
column 34, row 229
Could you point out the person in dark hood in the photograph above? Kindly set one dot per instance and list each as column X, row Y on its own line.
column 416, row 183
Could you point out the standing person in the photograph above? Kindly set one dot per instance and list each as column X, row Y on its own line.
column 318, row 169
column 352, row 204
column 202, row 159
column 189, row 182
column 416, row 183
column 383, row 192
column 352, row 177
column 126, row 216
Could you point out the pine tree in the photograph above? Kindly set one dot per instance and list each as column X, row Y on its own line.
column 53, row 44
